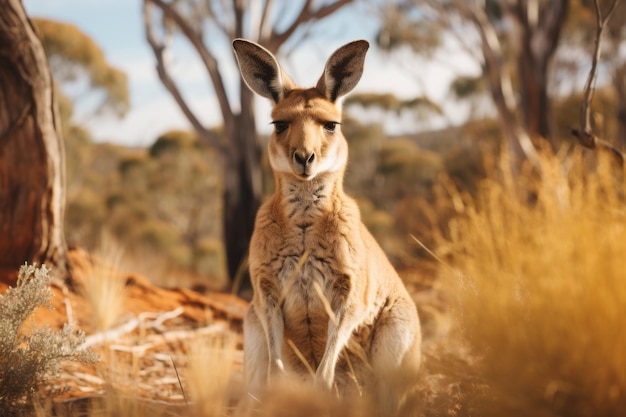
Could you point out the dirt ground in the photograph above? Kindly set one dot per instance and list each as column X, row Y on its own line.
column 147, row 350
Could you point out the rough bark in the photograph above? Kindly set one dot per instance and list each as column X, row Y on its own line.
column 32, row 175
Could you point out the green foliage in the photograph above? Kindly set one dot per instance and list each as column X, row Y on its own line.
column 159, row 236
column 410, row 165
column 173, row 141
column 364, row 142
column 132, row 166
column 466, row 86
column 83, row 213
column 27, row 358
column 421, row 107
column 388, row 175
column 164, row 201
column 73, row 54
column 402, row 24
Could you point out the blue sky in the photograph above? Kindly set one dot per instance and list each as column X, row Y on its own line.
column 117, row 26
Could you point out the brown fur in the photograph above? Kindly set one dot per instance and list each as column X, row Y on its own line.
column 320, row 279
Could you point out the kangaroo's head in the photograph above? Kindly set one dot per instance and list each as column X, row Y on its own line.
column 307, row 139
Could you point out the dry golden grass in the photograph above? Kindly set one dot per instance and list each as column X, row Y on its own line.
column 104, row 286
column 541, row 294
column 210, row 382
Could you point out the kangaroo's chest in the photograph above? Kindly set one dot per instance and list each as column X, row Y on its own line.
column 305, row 281
column 310, row 268
column 312, row 285
column 308, row 265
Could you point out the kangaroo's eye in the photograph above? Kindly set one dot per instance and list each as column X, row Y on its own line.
column 280, row 126
column 330, row 126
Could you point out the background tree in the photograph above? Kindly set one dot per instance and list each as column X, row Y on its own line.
column 419, row 108
column 172, row 189
column 158, row 204
column 209, row 27
column 514, row 41
column 82, row 77
column 32, row 155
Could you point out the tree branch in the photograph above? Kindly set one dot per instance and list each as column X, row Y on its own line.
column 306, row 15
column 501, row 84
column 159, row 49
column 217, row 21
column 443, row 15
column 585, row 135
column 209, row 61
column 238, row 9
column 265, row 27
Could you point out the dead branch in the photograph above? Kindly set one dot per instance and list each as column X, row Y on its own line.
column 585, row 134
column 307, row 14
column 131, row 325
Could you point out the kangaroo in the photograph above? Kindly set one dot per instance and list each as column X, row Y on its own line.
column 326, row 298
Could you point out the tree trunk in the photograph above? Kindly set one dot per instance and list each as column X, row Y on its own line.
column 32, row 176
column 242, row 192
column 534, row 96
column 539, row 38
column 619, row 83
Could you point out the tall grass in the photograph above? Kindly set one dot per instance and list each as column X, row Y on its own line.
column 539, row 303
column 104, row 286
column 210, row 376
column 542, row 297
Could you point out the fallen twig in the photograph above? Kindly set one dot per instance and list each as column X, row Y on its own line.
column 131, row 325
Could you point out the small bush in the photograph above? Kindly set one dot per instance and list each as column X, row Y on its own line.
column 27, row 358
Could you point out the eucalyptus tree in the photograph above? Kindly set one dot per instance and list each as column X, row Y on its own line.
column 514, row 42
column 32, row 156
column 32, row 147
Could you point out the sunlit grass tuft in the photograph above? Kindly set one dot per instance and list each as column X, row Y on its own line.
column 210, row 385
column 542, row 298
column 103, row 286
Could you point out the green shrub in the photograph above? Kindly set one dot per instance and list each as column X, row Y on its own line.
column 26, row 358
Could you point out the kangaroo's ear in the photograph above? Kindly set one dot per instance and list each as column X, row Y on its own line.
column 261, row 71
column 343, row 70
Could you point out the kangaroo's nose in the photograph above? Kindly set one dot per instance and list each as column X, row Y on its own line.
column 303, row 161
column 303, row 158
